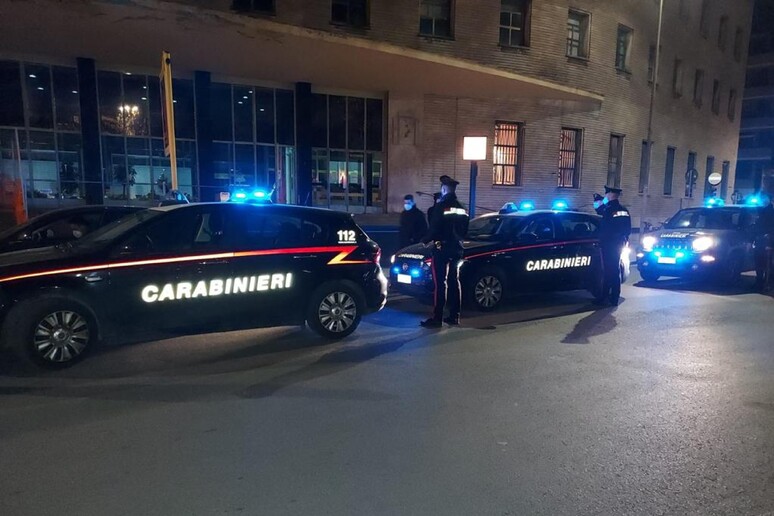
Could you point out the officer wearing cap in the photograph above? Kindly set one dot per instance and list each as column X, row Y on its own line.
column 614, row 232
column 448, row 226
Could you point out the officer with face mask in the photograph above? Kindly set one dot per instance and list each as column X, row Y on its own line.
column 413, row 225
column 448, row 227
column 614, row 233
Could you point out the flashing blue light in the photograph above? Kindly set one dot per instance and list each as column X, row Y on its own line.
column 560, row 205
column 260, row 194
column 657, row 253
column 240, row 195
column 396, row 270
column 714, row 201
column 527, row 206
column 415, row 273
column 680, row 254
column 509, row 207
column 755, row 200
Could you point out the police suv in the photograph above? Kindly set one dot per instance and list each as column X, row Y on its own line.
column 516, row 251
column 713, row 241
column 194, row 268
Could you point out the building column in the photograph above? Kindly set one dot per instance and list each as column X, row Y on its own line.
column 90, row 140
column 304, row 112
column 204, row 138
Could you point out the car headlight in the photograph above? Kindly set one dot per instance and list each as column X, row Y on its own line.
column 701, row 244
column 392, row 259
column 648, row 242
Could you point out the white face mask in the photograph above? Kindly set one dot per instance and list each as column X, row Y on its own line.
column 407, row 206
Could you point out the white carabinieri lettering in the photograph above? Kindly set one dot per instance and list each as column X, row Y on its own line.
column 558, row 263
column 216, row 287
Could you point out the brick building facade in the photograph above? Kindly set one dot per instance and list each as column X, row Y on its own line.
column 560, row 88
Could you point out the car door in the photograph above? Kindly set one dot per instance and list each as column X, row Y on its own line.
column 534, row 258
column 170, row 273
column 278, row 255
column 579, row 234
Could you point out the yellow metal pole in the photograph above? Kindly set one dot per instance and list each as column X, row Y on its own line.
column 169, row 121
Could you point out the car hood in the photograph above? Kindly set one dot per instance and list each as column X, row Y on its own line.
column 690, row 234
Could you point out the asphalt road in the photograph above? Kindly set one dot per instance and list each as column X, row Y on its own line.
column 664, row 405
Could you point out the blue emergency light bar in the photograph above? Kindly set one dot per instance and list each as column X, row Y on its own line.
column 240, row 195
column 560, row 205
column 527, row 206
column 260, row 194
column 756, row 200
column 712, row 202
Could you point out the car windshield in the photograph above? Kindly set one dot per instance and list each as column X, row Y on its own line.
column 484, row 228
column 118, row 228
column 705, row 218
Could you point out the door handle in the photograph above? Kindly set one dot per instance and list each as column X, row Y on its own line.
column 213, row 262
column 93, row 277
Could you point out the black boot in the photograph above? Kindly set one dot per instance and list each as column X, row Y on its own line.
column 452, row 321
column 431, row 323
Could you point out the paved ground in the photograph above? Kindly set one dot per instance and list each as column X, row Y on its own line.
column 664, row 405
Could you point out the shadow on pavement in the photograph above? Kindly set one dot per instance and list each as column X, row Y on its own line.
column 744, row 286
column 597, row 323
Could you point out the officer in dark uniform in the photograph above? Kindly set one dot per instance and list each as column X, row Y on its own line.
column 614, row 233
column 764, row 242
column 448, row 226
column 431, row 209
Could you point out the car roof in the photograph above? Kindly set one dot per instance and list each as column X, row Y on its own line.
column 257, row 206
column 541, row 212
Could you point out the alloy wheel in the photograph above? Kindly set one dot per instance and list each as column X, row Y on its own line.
column 61, row 336
column 337, row 312
column 488, row 291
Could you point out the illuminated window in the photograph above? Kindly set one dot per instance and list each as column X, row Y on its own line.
column 569, row 158
column 578, row 34
column 506, row 154
column 515, row 22
column 623, row 48
column 615, row 160
column 350, row 12
column 435, row 18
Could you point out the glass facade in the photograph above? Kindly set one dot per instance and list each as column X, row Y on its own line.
column 253, row 140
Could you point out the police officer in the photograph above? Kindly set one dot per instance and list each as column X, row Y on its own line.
column 614, row 232
column 764, row 241
column 431, row 209
column 448, row 227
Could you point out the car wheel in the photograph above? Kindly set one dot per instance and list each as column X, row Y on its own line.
column 52, row 332
column 335, row 310
column 487, row 290
column 649, row 276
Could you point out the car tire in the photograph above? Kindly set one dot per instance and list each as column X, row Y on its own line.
column 649, row 276
column 52, row 332
column 335, row 310
column 486, row 290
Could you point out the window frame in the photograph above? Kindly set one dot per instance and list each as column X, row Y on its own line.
column 434, row 34
column 738, row 44
column 616, row 177
column 525, row 28
column 584, row 45
column 669, row 170
column 678, row 78
column 517, row 152
column 578, row 158
column 704, row 19
column 716, row 97
column 723, row 33
column 698, row 88
column 623, row 60
column 349, row 23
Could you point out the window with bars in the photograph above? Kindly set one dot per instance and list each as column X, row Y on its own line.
column 261, row 6
column 569, row 158
column 350, row 12
column 578, row 34
column 698, row 88
column 623, row 48
column 506, row 155
column 435, row 18
column 515, row 22
column 732, row 105
column 615, row 160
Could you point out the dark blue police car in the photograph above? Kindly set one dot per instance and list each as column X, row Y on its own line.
column 516, row 251
column 714, row 241
column 193, row 268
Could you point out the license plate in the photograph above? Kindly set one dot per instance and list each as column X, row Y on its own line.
column 404, row 278
column 667, row 259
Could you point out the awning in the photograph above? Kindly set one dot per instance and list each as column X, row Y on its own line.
column 134, row 32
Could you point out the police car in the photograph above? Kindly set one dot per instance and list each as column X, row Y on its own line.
column 712, row 241
column 193, row 268
column 516, row 251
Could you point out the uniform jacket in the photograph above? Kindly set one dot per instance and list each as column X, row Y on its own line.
column 413, row 226
column 616, row 223
column 449, row 223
